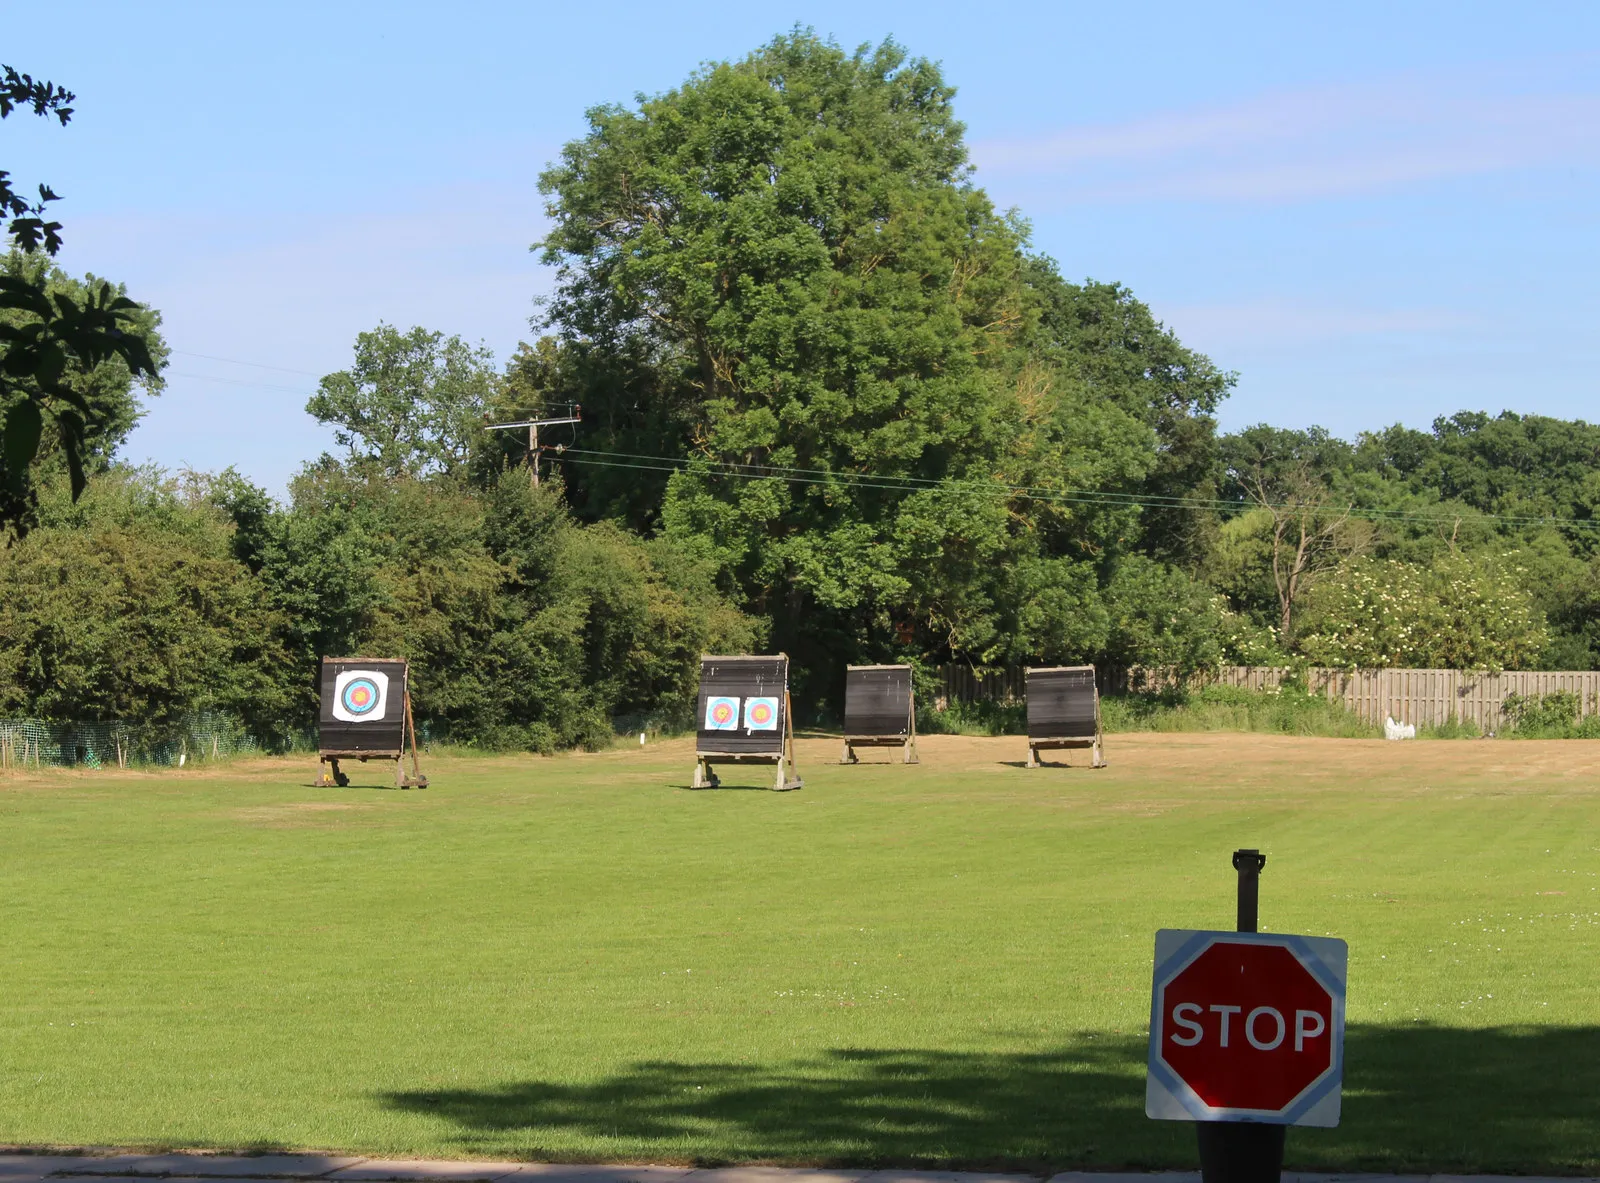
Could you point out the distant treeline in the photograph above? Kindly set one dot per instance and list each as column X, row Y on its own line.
column 834, row 404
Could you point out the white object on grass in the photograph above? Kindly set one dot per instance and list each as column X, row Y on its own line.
column 1393, row 730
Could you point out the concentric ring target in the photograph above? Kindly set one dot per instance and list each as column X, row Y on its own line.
column 722, row 713
column 761, row 713
column 360, row 696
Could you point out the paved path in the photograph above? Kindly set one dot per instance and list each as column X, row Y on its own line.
column 141, row 1168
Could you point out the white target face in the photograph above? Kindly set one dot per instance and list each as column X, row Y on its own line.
column 722, row 713
column 360, row 696
column 761, row 714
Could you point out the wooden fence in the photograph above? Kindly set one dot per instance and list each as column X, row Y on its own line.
column 1409, row 696
column 961, row 683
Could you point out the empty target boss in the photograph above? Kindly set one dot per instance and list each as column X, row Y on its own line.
column 1064, row 712
column 880, row 710
column 366, row 715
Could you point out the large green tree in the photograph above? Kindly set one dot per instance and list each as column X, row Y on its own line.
column 1099, row 337
column 411, row 403
column 887, row 407
column 1291, row 487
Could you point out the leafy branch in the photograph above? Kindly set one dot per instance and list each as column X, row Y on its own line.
column 28, row 228
column 45, row 335
column 58, row 335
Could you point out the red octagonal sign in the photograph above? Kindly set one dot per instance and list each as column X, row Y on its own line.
column 1246, row 1026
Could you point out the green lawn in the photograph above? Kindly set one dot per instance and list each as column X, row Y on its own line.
column 578, row 958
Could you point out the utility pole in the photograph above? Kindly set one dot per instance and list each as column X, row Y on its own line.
column 533, row 426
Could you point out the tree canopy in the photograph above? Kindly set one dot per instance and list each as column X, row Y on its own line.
column 834, row 403
column 412, row 403
column 875, row 400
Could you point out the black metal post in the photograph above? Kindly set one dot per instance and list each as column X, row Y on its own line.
column 1242, row 1151
column 1249, row 864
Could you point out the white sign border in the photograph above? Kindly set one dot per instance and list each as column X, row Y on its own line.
column 1168, row 1098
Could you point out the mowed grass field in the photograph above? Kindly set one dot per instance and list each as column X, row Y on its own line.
column 580, row 959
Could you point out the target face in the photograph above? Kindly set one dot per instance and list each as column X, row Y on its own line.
column 761, row 714
column 360, row 696
column 722, row 713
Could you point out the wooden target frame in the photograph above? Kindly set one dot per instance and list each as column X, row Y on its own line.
column 880, row 711
column 744, row 715
column 351, row 687
column 1057, row 718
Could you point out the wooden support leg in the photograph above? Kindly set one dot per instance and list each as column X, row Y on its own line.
column 909, row 756
column 699, row 781
column 849, row 755
column 788, row 765
column 337, row 777
column 1033, row 756
column 324, row 781
column 400, row 773
column 788, row 776
column 1099, row 756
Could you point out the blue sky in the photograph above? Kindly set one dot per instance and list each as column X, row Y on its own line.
column 1375, row 213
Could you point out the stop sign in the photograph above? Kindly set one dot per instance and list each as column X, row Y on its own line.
column 1246, row 1027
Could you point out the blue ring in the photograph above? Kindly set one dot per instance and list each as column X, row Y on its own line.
column 344, row 696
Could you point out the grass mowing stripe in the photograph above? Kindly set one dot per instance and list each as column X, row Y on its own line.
column 944, row 964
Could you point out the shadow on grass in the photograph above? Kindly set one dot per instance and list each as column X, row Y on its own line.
column 1417, row 1098
column 1080, row 765
column 725, row 787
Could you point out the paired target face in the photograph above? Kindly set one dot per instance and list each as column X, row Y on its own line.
column 761, row 714
column 722, row 713
column 360, row 696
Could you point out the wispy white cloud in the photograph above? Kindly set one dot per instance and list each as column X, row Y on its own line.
column 1317, row 143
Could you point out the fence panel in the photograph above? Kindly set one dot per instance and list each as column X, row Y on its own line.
column 1430, row 697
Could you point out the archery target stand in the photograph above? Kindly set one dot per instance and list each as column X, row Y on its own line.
column 1064, row 712
column 366, row 715
column 879, row 711
column 744, row 717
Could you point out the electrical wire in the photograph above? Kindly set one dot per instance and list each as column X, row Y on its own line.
column 814, row 476
column 236, row 382
column 817, row 476
column 234, row 361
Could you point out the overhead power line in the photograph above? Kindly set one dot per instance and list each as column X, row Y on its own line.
column 816, row 476
column 237, row 382
column 1111, row 500
column 234, row 361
